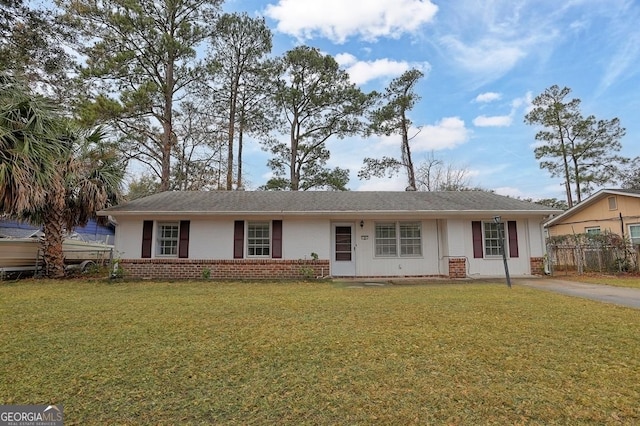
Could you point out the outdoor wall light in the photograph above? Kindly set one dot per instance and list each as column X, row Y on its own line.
column 362, row 224
column 496, row 219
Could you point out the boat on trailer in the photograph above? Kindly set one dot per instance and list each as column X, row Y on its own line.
column 19, row 252
column 25, row 254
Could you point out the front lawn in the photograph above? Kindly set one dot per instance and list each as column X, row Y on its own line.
column 317, row 353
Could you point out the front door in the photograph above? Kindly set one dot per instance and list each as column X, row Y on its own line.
column 343, row 256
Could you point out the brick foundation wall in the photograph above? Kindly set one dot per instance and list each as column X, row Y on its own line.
column 537, row 265
column 239, row 269
column 457, row 267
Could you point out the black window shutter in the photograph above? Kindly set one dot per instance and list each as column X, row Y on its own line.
column 513, row 238
column 276, row 239
column 238, row 239
column 183, row 245
column 476, row 229
column 147, row 235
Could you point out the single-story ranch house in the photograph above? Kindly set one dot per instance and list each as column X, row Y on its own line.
column 287, row 234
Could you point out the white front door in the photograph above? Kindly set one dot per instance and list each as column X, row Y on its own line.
column 343, row 256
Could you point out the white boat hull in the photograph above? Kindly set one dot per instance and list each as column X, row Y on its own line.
column 77, row 251
column 18, row 252
column 23, row 252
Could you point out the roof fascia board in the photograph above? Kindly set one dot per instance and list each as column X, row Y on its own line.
column 586, row 203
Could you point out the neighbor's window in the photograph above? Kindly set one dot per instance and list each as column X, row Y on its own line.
column 391, row 235
column 168, row 235
column 613, row 203
column 634, row 234
column 593, row 230
column 258, row 239
column 492, row 234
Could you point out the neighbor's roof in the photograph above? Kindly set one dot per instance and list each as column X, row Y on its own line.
column 316, row 202
column 589, row 201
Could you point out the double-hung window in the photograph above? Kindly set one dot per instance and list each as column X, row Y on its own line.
column 386, row 241
column 410, row 239
column 398, row 238
column 168, row 238
column 493, row 233
column 258, row 239
column 488, row 238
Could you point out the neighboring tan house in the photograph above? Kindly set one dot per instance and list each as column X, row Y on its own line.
column 290, row 234
column 608, row 210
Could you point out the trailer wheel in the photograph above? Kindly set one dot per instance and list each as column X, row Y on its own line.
column 87, row 265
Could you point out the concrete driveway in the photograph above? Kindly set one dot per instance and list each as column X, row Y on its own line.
column 622, row 296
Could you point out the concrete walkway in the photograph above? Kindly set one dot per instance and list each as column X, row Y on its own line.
column 622, row 296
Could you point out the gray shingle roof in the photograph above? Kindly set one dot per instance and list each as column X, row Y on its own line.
column 292, row 202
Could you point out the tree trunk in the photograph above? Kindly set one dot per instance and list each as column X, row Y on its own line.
column 168, row 138
column 294, row 177
column 54, row 235
column 406, row 154
column 567, row 175
column 240, row 134
column 231, row 135
column 577, row 180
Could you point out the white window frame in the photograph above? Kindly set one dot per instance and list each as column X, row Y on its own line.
column 494, row 237
column 592, row 230
column 386, row 239
column 259, row 245
column 408, row 241
column 635, row 240
column 613, row 202
column 167, row 244
column 395, row 241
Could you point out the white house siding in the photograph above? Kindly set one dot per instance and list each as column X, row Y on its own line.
column 210, row 240
column 442, row 239
column 128, row 238
column 367, row 264
column 213, row 238
column 494, row 266
column 301, row 237
column 453, row 240
column 536, row 238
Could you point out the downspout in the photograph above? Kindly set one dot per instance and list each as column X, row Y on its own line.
column 438, row 245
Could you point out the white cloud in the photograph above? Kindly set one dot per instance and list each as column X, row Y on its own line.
column 396, row 183
column 362, row 72
column 447, row 133
column 510, row 192
column 488, row 56
column 338, row 20
column 517, row 104
column 524, row 101
column 488, row 97
column 494, row 121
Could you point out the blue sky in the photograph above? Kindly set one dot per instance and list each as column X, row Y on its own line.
column 484, row 61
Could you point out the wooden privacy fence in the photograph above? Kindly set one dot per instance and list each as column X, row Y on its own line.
column 592, row 256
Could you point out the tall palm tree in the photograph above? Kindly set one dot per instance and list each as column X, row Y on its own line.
column 87, row 180
column 52, row 173
column 29, row 146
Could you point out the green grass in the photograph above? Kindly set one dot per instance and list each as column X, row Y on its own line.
column 317, row 354
column 632, row 281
